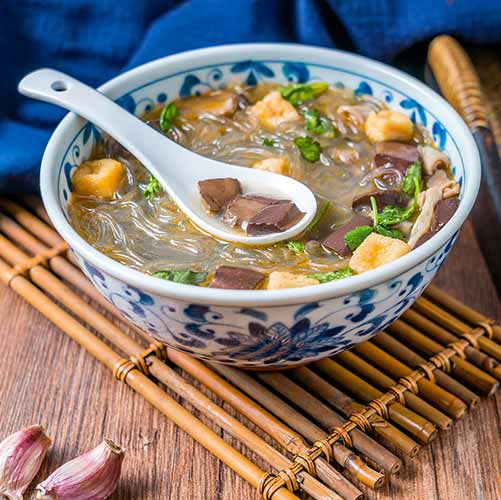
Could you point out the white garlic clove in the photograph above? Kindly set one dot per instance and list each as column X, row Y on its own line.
column 92, row 476
column 21, row 455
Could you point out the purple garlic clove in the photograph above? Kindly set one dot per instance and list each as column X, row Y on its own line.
column 21, row 455
column 92, row 476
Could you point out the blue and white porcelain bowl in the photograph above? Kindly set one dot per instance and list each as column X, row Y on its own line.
column 279, row 328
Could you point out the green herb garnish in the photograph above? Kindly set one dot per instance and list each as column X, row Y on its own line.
column 168, row 115
column 333, row 275
column 318, row 124
column 392, row 215
column 390, row 233
column 269, row 142
column 355, row 237
column 152, row 189
column 295, row 246
column 300, row 92
column 318, row 216
column 309, row 149
column 414, row 171
column 186, row 276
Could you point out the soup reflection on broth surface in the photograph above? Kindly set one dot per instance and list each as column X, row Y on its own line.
column 382, row 187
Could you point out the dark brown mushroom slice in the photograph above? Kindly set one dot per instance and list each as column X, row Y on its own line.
column 217, row 193
column 236, row 278
column 383, row 198
column 244, row 207
column 274, row 218
column 444, row 210
column 395, row 154
column 335, row 240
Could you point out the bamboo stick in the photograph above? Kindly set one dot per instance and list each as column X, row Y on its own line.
column 412, row 359
column 466, row 312
column 317, row 385
column 101, row 324
column 361, row 442
column 205, row 405
column 288, row 438
column 464, row 370
column 419, row 427
column 379, row 379
column 140, row 383
column 433, row 393
column 443, row 336
column 455, row 325
column 33, row 202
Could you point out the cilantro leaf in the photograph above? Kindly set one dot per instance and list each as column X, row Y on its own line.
column 355, row 237
column 414, row 171
column 269, row 142
column 309, row 149
column 333, row 275
column 318, row 216
column 390, row 233
column 394, row 215
column 295, row 246
column 297, row 93
column 182, row 276
column 318, row 124
column 152, row 189
column 169, row 113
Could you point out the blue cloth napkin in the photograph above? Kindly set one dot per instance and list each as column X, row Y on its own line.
column 95, row 40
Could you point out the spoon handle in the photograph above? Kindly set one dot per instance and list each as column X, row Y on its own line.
column 149, row 146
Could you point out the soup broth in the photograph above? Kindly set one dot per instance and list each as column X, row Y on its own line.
column 326, row 141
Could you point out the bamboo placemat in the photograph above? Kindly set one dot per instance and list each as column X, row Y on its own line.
column 386, row 397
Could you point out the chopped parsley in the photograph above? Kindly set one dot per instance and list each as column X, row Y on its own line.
column 318, row 124
column 332, row 275
column 184, row 276
column 269, row 142
column 168, row 115
column 297, row 93
column 152, row 189
column 309, row 149
column 414, row 171
column 355, row 237
column 295, row 246
column 392, row 215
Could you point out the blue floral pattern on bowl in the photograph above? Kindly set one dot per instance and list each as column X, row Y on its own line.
column 283, row 336
column 275, row 335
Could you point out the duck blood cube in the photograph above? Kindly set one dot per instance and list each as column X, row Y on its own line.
column 236, row 278
column 274, row 218
column 395, row 154
column 217, row 193
column 244, row 207
column 444, row 210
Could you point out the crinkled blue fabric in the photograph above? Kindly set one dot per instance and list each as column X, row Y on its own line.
column 95, row 40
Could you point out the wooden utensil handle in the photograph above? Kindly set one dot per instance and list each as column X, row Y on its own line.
column 458, row 80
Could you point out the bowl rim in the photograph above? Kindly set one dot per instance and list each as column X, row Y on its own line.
column 264, row 298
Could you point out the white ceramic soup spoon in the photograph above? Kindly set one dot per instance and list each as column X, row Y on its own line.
column 177, row 169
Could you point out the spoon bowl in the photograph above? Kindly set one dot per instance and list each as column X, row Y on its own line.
column 177, row 169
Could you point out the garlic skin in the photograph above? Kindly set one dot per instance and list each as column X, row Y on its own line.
column 21, row 455
column 92, row 476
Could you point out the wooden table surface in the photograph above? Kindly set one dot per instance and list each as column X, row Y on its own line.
column 46, row 378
